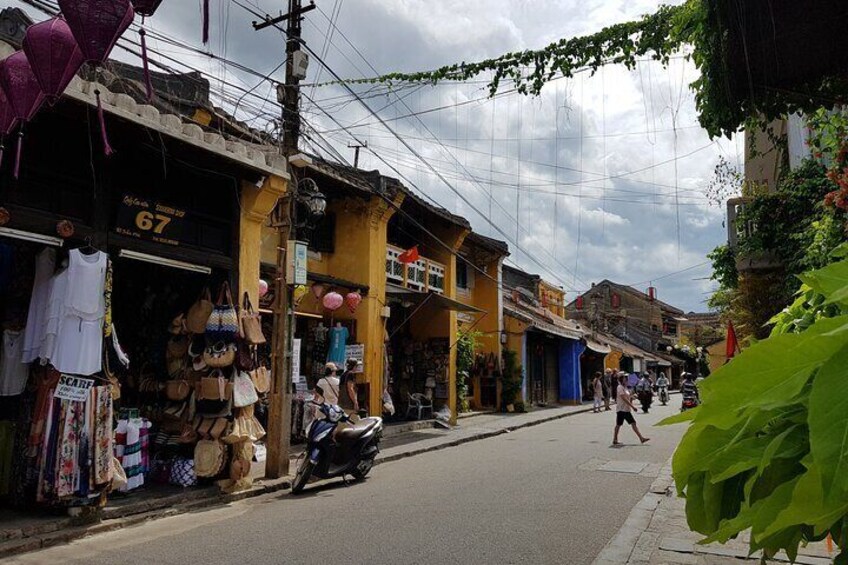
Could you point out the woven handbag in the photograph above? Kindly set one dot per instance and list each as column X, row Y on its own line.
column 198, row 314
column 210, row 458
column 182, row 473
column 244, row 393
column 223, row 323
column 261, row 379
column 251, row 323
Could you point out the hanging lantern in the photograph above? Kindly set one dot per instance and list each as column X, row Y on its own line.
column 97, row 25
column 352, row 300
column 146, row 8
column 205, row 18
column 5, row 216
column 24, row 94
column 65, row 228
column 615, row 300
column 7, row 121
column 652, row 293
column 299, row 292
column 263, row 287
column 333, row 301
column 54, row 56
column 580, row 302
column 318, row 290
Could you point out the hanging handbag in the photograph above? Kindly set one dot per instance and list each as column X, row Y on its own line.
column 177, row 390
column 214, row 387
column 223, row 323
column 210, row 457
column 261, row 379
column 251, row 323
column 244, row 356
column 244, row 393
column 182, row 473
column 219, row 354
column 198, row 314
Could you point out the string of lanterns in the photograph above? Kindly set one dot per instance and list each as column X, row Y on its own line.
column 53, row 52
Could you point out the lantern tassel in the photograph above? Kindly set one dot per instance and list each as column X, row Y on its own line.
column 2, row 149
column 205, row 22
column 18, row 153
column 107, row 149
column 148, row 85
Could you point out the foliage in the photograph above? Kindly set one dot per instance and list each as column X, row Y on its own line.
column 723, row 259
column 726, row 183
column 513, row 375
column 466, row 346
column 765, row 450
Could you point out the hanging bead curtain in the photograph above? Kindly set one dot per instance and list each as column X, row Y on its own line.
column 54, row 56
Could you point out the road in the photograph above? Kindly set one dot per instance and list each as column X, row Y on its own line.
column 537, row 495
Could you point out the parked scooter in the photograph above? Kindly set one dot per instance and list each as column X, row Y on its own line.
column 663, row 394
column 334, row 451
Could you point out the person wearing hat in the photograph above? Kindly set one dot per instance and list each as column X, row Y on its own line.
column 328, row 387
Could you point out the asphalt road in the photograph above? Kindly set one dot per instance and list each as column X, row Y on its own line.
column 536, row 495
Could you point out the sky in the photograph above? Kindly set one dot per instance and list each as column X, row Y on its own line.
column 598, row 177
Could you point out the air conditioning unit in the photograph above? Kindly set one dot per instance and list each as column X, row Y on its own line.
column 300, row 63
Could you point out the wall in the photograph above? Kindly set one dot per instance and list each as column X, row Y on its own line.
column 515, row 341
column 763, row 170
column 613, row 360
column 256, row 205
column 718, row 355
column 552, row 298
column 569, row 371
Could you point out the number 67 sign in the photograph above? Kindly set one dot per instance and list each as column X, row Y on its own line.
column 145, row 219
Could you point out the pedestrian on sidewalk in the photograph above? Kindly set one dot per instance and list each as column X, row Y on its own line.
column 598, row 387
column 624, row 411
column 609, row 387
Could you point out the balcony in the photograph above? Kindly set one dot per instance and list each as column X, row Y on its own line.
column 424, row 275
column 737, row 234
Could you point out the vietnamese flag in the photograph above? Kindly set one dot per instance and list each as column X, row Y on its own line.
column 409, row 256
column 732, row 342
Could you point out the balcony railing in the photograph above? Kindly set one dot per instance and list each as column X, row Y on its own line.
column 422, row 275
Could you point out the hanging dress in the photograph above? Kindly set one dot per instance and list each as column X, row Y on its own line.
column 13, row 373
column 79, row 343
column 53, row 315
column 45, row 263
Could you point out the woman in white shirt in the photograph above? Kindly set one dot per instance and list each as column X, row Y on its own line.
column 327, row 388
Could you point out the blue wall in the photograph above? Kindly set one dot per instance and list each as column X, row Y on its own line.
column 569, row 370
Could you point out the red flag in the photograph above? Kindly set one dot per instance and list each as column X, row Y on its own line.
column 732, row 342
column 409, row 256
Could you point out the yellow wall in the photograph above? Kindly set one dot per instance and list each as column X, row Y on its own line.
column 256, row 205
column 553, row 298
column 718, row 355
column 515, row 330
column 613, row 360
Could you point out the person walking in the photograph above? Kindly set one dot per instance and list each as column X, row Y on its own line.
column 598, row 386
column 347, row 388
column 609, row 385
column 624, row 412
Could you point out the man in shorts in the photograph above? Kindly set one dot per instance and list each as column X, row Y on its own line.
column 624, row 411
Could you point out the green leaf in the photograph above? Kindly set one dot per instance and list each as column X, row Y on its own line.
column 678, row 418
column 768, row 373
column 737, row 458
column 698, row 446
column 831, row 281
column 828, row 420
column 808, row 506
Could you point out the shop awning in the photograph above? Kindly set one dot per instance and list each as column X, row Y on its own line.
column 596, row 346
column 438, row 300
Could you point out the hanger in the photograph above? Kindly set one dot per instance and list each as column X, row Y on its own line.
column 88, row 248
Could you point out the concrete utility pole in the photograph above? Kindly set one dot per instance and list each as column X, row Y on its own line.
column 356, row 146
column 279, row 415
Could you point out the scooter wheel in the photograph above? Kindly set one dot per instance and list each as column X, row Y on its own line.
column 302, row 475
column 362, row 469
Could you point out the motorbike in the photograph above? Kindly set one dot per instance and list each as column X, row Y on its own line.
column 334, row 451
column 689, row 401
column 663, row 394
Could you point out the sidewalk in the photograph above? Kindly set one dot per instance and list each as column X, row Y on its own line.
column 21, row 533
column 656, row 533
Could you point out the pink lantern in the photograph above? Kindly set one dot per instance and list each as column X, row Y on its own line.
column 24, row 94
column 318, row 290
column 353, row 299
column 54, row 56
column 333, row 301
column 97, row 25
column 263, row 287
column 7, row 121
column 145, row 8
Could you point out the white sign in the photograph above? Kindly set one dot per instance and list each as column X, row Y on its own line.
column 299, row 386
column 73, row 388
column 297, row 263
column 356, row 351
column 295, row 358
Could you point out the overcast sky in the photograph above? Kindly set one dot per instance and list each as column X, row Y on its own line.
column 599, row 177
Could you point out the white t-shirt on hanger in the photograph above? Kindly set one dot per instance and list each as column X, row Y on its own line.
column 45, row 263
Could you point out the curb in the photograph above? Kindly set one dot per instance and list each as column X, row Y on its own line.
column 66, row 531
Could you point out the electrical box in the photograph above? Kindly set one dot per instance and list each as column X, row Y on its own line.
column 300, row 63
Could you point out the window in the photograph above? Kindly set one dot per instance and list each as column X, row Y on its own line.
column 615, row 300
column 461, row 274
column 323, row 237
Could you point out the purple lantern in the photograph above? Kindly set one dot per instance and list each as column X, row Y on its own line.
column 23, row 91
column 7, row 121
column 97, row 24
column 145, row 8
column 54, row 56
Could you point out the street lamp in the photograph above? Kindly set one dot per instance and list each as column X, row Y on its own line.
column 311, row 201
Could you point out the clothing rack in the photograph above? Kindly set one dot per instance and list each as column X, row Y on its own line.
column 127, row 413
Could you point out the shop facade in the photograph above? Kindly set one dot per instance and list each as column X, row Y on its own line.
column 101, row 256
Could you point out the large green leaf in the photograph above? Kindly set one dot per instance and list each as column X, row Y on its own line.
column 832, row 281
column 698, row 446
column 828, row 420
column 737, row 458
column 808, row 506
column 769, row 373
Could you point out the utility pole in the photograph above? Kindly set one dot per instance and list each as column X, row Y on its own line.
column 356, row 146
column 279, row 414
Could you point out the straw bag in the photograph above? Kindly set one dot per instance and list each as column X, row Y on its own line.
column 223, row 323
column 251, row 323
column 210, row 457
column 219, row 354
column 177, row 390
column 214, row 387
column 244, row 393
column 261, row 379
column 198, row 314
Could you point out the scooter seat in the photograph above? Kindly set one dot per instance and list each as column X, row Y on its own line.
column 353, row 432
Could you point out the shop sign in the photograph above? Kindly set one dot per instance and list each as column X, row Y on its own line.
column 297, row 262
column 356, row 351
column 295, row 359
column 300, row 386
column 73, row 388
column 143, row 218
